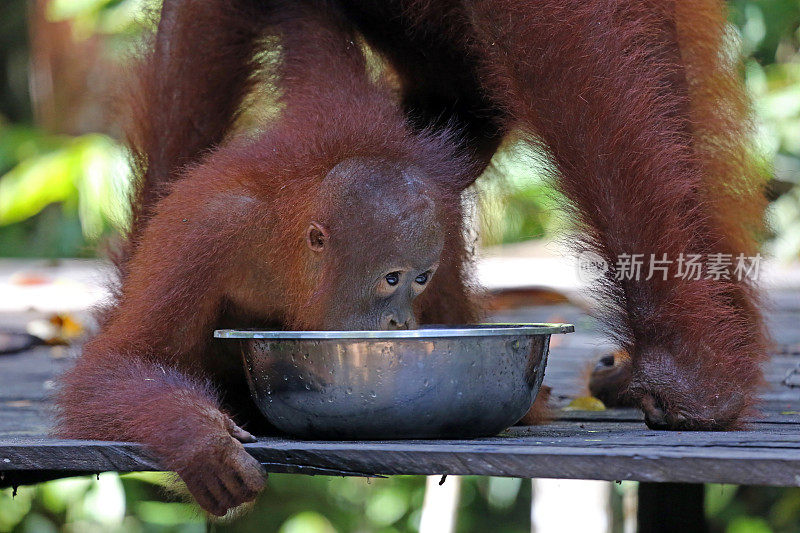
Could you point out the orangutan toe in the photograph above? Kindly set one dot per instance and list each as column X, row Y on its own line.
column 661, row 416
column 654, row 416
column 609, row 380
column 238, row 433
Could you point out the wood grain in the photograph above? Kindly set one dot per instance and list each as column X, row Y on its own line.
column 606, row 445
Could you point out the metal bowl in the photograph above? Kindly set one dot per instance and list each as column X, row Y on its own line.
column 432, row 382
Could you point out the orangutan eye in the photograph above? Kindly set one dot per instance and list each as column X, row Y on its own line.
column 422, row 279
column 393, row 278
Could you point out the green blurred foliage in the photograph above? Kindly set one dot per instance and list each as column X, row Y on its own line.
column 516, row 199
column 60, row 196
column 14, row 99
column 732, row 509
column 291, row 504
column 147, row 503
column 114, row 18
column 524, row 206
column 59, row 192
column 770, row 37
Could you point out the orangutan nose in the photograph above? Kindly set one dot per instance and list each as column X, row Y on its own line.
column 398, row 321
column 394, row 324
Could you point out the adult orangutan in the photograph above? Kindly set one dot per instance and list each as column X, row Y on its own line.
column 345, row 212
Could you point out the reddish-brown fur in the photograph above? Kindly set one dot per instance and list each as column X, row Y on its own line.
column 224, row 244
column 641, row 116
column 652, row 155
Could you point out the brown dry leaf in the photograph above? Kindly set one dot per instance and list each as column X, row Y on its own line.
column 57, row 330
column 70, row 326
column 505, row 299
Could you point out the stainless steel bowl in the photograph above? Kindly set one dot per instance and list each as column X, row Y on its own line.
column 424, row 383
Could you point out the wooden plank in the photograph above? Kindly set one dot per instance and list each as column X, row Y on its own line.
column 612, row 444
column 521, row 458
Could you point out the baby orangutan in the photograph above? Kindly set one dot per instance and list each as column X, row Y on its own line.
column 377, row 239
column 354, row 223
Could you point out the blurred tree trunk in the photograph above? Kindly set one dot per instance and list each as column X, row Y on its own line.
column 70, row 77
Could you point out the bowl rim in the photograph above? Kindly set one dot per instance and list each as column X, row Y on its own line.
column 425, row 332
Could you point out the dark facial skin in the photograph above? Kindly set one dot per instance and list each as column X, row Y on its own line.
column 376, row 244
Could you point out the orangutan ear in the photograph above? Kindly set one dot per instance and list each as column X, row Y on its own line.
column 316, row 237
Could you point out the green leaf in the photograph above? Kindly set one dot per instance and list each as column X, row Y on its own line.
column 35, row 183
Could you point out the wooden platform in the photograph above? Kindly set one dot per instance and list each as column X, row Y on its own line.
column 607, row 445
